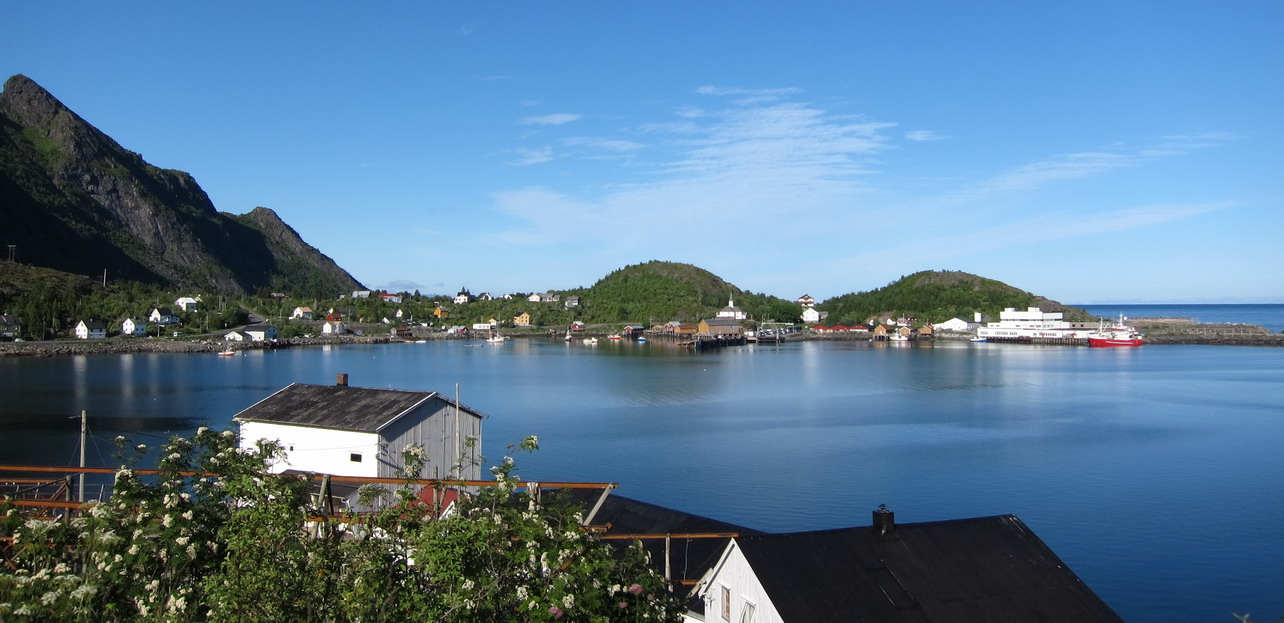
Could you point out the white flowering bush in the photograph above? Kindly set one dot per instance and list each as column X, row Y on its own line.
column 216, row 538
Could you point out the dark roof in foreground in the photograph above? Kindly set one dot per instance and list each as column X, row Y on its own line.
column 340, row 407
column 688, row 558
column 990, row 569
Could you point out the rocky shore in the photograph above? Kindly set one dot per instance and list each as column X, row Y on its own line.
column 1159, row 331
column 123, row 346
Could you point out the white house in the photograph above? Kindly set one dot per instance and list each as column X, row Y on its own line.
column 731, row 311
column 806, row 301
column 983, row 569
column 301, row 313
column 354, row 431
column 187, row 303
column 390, row 298
column 463, row 297
column 261, row 332
column 162, row 315
column 237, row 335
column 334, row 327
column 956, row 324
column 811, row 314
column 133, row 326
column 91, row 330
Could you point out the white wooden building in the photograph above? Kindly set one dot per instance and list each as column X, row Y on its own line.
column 356, row 431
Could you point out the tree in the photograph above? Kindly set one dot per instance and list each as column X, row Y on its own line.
column 215, row 537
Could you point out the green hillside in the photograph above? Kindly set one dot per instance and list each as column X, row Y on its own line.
column 937, row 296
column 662, row 291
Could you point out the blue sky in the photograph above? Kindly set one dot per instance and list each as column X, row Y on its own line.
column 1093, row 152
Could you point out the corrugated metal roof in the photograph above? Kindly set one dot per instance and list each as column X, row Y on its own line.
column 990, row 569
column 340, row 407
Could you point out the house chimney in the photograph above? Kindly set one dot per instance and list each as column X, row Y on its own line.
column 342, row 380
column 884, row 522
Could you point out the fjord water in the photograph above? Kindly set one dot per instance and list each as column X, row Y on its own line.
column 1154, row 472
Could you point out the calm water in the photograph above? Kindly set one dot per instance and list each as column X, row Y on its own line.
column 1154, row 472
column 1269, row 316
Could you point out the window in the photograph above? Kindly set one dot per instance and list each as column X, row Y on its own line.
column 726, row 603
column 746, row 612
column 355, row 457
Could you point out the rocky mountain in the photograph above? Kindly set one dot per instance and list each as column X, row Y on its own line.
column 73, row 199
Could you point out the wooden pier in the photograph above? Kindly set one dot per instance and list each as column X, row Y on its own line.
column 704, row 342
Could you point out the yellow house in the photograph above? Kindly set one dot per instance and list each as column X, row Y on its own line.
column 440, row 313
column 522, row 320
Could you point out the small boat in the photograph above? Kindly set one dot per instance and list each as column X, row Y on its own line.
column 897, row 337
column 615, row 337
column 642, row 339
column 228, row 353
column 1119, row 334
column 590, row 341
column 496, row 338
column 977, row 339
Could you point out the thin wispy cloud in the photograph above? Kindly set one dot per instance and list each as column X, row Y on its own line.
column 741, row 165
column 923, row 135
column 603, row 144
column 528, row 156
column 554, row 119
column 1036, row 230
column 1081, row 165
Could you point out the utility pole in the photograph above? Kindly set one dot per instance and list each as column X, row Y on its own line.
column 84, row 426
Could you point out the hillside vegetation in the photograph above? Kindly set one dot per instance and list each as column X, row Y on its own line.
column 937, row 296
column 73, row 199
column 662, row 291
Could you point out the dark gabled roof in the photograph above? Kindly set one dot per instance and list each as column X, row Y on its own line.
column 95, row 325
column 990, row 569
column 689, row 559
column 340, row 407
column 722, row 321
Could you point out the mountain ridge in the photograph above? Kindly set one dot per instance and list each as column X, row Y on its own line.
column 81, row 203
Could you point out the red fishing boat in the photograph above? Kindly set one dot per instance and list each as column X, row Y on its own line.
column 1119, row 334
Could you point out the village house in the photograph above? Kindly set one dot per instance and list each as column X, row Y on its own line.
column 333, row 327
column 485, row 296
column 133, row 326
column 360, row 294
column 440, row 313
column 355, row 431
column 261, row 332
column 390, row 298
column 463, row 297
column 91, row 330
column 237, row 335
column 731, row 311
column 806, row 301
column 522, row 320
column 969, row 570
column 811, row 314
column 162, row 315
column 187, row 303
column 301, row 313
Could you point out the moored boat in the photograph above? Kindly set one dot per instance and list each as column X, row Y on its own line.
column 1119, row 334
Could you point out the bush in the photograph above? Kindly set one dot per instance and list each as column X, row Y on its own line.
column 232, row 543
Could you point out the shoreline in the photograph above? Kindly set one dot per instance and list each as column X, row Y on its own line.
column 1164, row 332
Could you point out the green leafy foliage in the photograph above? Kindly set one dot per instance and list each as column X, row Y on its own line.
column 217, row 538
column 937, row 296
